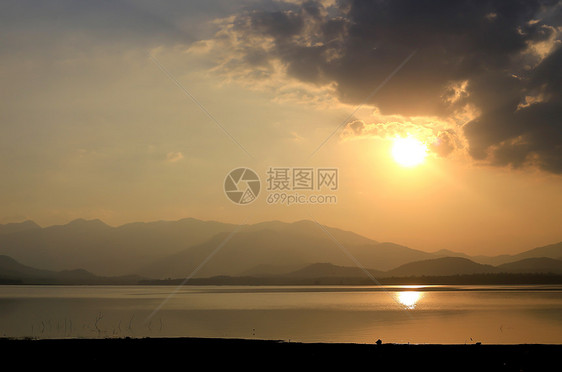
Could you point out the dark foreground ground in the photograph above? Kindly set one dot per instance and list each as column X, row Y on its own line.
column 234, row 354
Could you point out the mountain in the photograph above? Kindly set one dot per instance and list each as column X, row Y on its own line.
column 445, row 266
column 532, row 265
column 327, row 270
column 265, row 270
column 14, row 272
column 441, row 266
column 134, row 247
column 244, row 251
column 449, row 253
column 103, row 249
column 16, row 227
column 461, row 266
column 493, row 260
column 313, row 230
column 163, row 249
column 385, row 256
column 549, row 251
column 11, row 269
column 279, row 245
column 532, row 270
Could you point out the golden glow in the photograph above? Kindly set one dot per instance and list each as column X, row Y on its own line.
column 409, row 152
column 409, row 299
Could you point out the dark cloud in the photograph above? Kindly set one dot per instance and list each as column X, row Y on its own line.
column 485, row 44
column 512, row 132
column 280, row 25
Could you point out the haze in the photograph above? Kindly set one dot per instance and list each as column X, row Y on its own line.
column 93, row 127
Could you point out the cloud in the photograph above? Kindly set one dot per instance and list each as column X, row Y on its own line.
column 439, row 139
column 501, row 59
column 525, row 125
column 445, row 143
column 173, row 157
column 389, row 129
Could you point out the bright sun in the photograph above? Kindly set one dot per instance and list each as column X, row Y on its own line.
column 409, row 152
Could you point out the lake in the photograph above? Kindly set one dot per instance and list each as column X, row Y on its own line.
column 362, row 314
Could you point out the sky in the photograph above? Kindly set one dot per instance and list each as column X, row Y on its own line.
column 138, row 110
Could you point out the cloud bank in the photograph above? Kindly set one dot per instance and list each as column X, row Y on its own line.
column 499, row 60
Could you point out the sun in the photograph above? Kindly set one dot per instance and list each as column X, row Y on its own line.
column 409, row 152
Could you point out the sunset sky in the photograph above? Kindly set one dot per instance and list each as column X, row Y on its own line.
column 97, row 121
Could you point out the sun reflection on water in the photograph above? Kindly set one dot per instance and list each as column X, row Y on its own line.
column 409, row 298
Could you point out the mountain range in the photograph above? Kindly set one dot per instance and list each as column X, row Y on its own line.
column 102, row 249
column 175, row 249
column 444, row 266
column 13, row 272
column 445, row 270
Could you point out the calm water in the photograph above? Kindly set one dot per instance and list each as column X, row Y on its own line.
column 424, row 314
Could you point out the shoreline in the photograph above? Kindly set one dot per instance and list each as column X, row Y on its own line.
column 160, row 352
column 256, row 281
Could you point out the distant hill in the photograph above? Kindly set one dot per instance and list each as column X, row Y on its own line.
column 449, row 253
column 14, row 272
column 17, row 227
column 327, row 270
column 447, row 270
column 11, row 269
column 163, row 249
column 265, row 270
column 285, row 245
column 312, row 230
column 532, row 265
column 103, row 249
column 385, row 256
column 328, row 274
column 441, row 266
column 549, row 251
column 444, row 266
